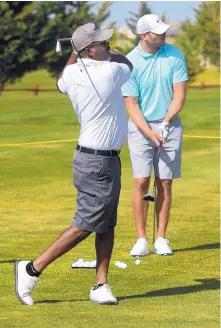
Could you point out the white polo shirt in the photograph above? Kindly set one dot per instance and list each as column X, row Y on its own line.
column 99, row 107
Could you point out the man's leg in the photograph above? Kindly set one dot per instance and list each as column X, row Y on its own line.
column 142, row 156
column 27, row 272
column 140, row 206
column 65, row 242
column 101, row 293
column 104, row 245
column 163, row 203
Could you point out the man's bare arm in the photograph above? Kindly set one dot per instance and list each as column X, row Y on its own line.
column 179, row 97
column 138, row 119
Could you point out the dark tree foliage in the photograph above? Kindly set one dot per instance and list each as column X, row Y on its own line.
column 28, row 33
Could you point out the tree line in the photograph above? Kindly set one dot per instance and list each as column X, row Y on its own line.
column 29, row 30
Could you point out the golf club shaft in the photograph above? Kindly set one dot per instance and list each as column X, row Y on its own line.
column 65, row 39
column 156, row 168
column 154, row 216
column 85, row 68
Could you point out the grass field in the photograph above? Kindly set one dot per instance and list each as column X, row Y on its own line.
column 211, row 76
column 38, row 201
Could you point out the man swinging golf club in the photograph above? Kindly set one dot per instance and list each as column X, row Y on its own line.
column 93, row 84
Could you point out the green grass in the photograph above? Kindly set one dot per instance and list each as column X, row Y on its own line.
column 211, row 76
column 38, row 201
column 40, row 77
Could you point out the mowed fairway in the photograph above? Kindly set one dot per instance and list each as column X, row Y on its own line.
column 38, row 201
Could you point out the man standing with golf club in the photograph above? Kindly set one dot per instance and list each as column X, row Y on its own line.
column 92, row 79
column 154, row 95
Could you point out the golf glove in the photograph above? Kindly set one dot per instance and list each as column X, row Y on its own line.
column 164, row 130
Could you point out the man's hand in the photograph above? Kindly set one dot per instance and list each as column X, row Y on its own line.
column 163, row 131
column 155, row 137
column 115, row 52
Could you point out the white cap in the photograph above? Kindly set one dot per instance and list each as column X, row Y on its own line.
column 151, row 23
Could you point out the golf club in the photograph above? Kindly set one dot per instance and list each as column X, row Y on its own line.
column 59, row 52
column 58, row 45
column 152, row 197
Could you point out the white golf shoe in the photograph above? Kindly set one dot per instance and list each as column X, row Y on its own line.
column 24, row 283
column 140, row 248
column 161, row 247
column 102, row 295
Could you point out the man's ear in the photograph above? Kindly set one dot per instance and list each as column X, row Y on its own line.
column 89, row 52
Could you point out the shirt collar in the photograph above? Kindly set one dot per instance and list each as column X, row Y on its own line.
column 89, row 61
column 146, row 54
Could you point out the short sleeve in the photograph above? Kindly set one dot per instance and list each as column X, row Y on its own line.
column 121, row 73
column 179, row 69
column 63, row 82
column 130, row 88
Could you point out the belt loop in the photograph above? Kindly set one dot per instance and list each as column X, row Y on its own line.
column 79, row 148
column 95, row 152
column 111, row 153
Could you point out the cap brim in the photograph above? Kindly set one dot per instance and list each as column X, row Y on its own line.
column 105, row 35
column 162, row 28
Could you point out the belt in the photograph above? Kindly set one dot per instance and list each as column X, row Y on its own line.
column 98, row 151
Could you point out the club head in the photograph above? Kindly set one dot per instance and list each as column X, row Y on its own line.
column 148, row 197
column 58, row 47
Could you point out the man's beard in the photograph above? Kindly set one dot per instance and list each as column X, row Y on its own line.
column 156, row 45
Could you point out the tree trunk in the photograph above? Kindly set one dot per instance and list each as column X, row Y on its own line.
column 1, row 87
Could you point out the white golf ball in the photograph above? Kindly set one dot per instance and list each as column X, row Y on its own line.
column 123, row 265
column 80, row 260
column 137, row 262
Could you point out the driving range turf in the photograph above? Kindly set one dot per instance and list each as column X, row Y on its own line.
column 38, row 202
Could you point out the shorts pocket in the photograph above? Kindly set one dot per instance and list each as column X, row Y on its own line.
column 86, row 171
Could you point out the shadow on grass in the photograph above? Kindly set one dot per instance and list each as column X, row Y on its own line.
column 199, row 247
column 8, row 261
column 59, row 301
column 195, row 248
column 206, row 284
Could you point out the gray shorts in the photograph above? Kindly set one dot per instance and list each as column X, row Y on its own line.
column 98, row 181
column 144, row 155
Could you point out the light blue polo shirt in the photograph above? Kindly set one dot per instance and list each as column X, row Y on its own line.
column 153, row 77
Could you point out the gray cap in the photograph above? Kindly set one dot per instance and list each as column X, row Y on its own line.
column 88, row 33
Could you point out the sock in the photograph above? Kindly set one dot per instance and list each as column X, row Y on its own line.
column 31, row 270
column 97, row 286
